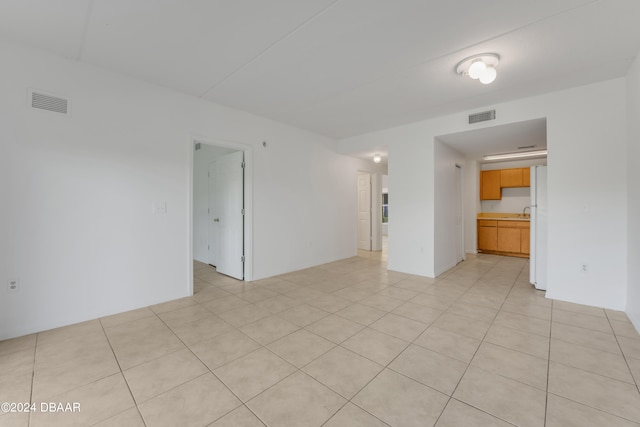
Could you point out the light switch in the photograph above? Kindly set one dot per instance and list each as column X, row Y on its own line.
column 159, row 207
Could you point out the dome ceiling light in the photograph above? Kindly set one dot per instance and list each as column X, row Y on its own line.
column 480, row 67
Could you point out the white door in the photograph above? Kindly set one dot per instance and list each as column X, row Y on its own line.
column 229, row 217
column 364, row 211
column 212, row 214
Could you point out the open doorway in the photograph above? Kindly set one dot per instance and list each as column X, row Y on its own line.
column 370, row 211
column 365, row 231
column 385, row 215
column 221, row 216
column 508, row 147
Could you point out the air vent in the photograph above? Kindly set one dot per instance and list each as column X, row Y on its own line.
column 49, row 102
column 482, row 117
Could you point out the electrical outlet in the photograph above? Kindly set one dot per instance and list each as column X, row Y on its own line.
column 13, row 285
column 584, row 267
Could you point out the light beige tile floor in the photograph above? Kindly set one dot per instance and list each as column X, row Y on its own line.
column 343, row 344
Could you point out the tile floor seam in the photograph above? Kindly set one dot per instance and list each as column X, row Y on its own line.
column 475, row 352
column 206, row 373
column 368, row 358
column 146, row 361
column 596, row 409
column 624, row 356
column 133, row 399
column 584, row 370
column 120, row 413
column 483, row 341
column 481, row 410
column 33, row 375
column 347, row 403
column 207, row 367
column 382, row 285
column 514, row 350
column 485, row 334
column 277, row 382
column 382, row 370
column 590, row 347
column 599, row 373
column 582, row 327
column 546, row 395
column 583, row 314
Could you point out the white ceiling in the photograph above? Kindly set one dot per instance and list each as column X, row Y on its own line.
column 338, row 68
column 511, row 138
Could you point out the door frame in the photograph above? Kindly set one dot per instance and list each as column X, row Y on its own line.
column 460, row 230
column 248, row 200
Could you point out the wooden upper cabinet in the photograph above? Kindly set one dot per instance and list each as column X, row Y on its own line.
column 515, row 177
column 490, row 185
column 511, row 178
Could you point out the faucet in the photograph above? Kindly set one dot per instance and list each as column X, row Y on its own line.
column 525, row 210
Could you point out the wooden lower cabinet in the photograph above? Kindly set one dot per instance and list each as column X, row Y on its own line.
column 504, row 237
column 525, row 235
column 509, row 239
column 488, row 235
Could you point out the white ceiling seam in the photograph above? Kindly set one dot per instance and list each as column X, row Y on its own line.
column 269, row 48
column 85, row 29
column 337, row 68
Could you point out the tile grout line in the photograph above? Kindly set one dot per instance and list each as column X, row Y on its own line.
column 387, row 286
column 546, row 394
column 347, row 401
column 33, row 376
column 624, row 356
column 478, row 348
column 135, row 402
column 208, row 369
column 594, row 373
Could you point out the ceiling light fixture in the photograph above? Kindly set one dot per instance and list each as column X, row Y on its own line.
column 520, row 155
column 377, row 158
column 480, row 67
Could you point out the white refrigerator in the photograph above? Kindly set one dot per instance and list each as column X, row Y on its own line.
column 538, row 250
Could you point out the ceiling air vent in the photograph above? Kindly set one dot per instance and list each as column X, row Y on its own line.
column 49, row 102
column 482, row 117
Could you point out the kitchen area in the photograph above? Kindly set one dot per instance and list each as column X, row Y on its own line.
column 503, row 194
column 512, row 217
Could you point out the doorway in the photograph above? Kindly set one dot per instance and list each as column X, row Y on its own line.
column 364, row 211
column 221, row 214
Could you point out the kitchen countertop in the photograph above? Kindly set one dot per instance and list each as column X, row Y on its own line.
column 503, row 216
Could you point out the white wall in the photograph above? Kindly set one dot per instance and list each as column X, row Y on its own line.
column 633, row 195
column 201, row 159
column 77, row 192
column 446, row 204
column 471, row 205
column 582, row 176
